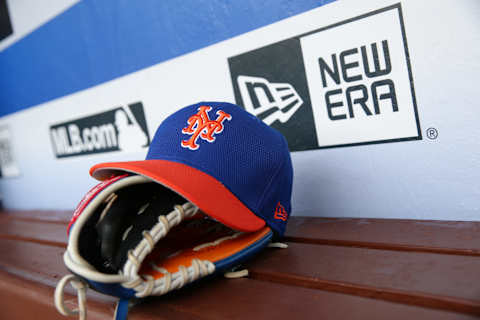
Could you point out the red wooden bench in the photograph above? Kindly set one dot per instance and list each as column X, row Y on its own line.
column 333, row 269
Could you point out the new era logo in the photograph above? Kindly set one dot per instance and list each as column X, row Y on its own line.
column 269, row 101
column 280, row 213
column 342, row 85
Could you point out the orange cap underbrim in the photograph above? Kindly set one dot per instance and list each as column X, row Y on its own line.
column 206, row 192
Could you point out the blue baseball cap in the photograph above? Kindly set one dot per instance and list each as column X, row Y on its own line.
column 226, row 161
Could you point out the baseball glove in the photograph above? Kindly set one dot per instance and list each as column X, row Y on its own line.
column 132, row 237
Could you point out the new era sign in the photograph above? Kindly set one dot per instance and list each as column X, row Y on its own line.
column 346, row 84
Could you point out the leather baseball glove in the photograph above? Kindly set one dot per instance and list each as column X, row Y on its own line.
column 132, row 237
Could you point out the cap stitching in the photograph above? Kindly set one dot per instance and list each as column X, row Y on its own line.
column 267, row 187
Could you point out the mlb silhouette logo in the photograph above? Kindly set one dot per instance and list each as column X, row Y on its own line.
column 130, row 135
column 122, row 128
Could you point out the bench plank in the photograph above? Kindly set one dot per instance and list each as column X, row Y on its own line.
column 450, row 282
column 24, row 299
column 55, row 216
column 332, row 256
column 250, row 299
column 53, row 234
column 216, row 299
column 449, row 237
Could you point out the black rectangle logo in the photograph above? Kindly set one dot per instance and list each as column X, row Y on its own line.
column 346, row 84
column 118, row 129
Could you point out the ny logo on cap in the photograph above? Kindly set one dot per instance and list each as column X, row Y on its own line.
column 200, row 125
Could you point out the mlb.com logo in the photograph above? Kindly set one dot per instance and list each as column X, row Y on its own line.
column 346, row 84
column 119, row 129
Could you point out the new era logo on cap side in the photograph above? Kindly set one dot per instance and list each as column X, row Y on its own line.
column 200, row 126
column 269, row 101
column 280, row 213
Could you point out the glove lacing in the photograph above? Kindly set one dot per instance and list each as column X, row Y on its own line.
column 81, row 288
column 235, row 274
column 146, row 285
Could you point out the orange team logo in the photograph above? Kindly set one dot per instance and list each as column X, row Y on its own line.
column 200, row 125
column 280, row 212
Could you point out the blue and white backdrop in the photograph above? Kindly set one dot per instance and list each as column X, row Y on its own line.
column 377, row 99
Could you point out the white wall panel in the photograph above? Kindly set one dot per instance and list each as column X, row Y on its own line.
column 418, row 179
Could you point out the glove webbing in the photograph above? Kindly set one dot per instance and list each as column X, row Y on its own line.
column 170, row 281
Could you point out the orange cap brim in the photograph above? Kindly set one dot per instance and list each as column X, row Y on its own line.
column 203, row 190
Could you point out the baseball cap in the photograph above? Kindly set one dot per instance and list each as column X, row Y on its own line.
column 226, row 161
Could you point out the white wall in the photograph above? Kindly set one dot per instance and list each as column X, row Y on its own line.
column 418, row 179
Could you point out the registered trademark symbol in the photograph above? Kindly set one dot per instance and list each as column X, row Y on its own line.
column 432, row 133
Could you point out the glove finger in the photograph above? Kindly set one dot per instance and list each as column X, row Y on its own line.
column 161, row 203
column 119, row 214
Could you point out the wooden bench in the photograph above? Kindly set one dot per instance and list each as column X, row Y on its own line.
column 333, row 269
